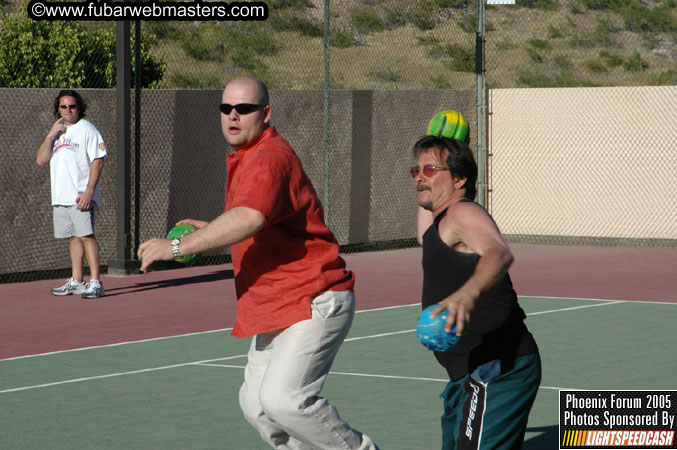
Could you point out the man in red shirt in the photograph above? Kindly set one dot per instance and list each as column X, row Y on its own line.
column 295, row 296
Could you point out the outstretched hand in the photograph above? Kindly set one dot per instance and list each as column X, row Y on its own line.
column 154, row 250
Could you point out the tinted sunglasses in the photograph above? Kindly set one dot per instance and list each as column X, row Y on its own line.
column 68, row 106
column 241, row 108
column 428, row 170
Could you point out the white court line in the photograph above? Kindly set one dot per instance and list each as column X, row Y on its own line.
column 166, row 337
column 599, row 299
column 358, row 338
column 117, row 344
column 111, row 375
column 388, row 307
column 228, row 366
column 396, row 377
column 607, row 303
column 98, row 377
column 441, row 380
column 575, row 307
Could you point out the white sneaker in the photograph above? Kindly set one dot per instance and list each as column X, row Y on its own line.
column 71, row 287
column 94, row 289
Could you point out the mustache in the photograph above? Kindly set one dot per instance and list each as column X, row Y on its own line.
column 422, row 187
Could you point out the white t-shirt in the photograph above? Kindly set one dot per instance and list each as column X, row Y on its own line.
column 72, row 156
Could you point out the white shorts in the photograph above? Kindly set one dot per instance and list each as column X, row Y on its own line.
column 69, row 221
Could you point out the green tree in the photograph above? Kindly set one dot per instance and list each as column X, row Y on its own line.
column 46, row 54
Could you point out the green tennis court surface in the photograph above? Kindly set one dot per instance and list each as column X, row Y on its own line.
column 181, row 392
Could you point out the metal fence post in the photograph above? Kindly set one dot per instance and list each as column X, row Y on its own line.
column 138, row 82
column 123, row 264
column 481, row 106
column 326, row 121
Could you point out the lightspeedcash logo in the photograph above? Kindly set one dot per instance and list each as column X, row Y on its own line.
column 152, row 11
column 617, row 419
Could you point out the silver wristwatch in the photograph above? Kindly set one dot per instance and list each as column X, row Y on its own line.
column 175, row 248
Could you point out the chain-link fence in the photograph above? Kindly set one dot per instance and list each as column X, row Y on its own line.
column 391, row 65
column 561, row 159
column 387, row 44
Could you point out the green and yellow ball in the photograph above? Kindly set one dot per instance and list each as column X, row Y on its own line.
column 449, row 124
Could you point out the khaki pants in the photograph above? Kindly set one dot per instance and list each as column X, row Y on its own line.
column 285, row 372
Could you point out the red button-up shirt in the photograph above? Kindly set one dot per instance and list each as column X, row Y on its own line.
column 295, row 256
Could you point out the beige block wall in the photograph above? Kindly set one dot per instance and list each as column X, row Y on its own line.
column 585, row 162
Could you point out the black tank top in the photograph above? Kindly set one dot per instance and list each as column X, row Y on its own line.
column 496, row 328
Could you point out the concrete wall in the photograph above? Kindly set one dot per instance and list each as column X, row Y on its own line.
column 25, row 205
column 183, row 163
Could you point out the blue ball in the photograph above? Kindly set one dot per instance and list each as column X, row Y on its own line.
column 430, row 331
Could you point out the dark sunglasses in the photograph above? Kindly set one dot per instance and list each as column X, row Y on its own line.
column 241, row 108
column 68, row 106
column 428, row 170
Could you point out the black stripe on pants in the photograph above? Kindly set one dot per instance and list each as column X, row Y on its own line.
column 473, row 413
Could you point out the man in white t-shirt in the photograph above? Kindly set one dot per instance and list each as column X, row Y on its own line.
column 75, row 152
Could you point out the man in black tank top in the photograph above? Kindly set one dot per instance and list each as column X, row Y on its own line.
column 495, row 369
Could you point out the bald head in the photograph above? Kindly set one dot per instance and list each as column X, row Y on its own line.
column 258, row 90
column 244, row 127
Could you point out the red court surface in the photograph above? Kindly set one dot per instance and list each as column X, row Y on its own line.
column 173, row 302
